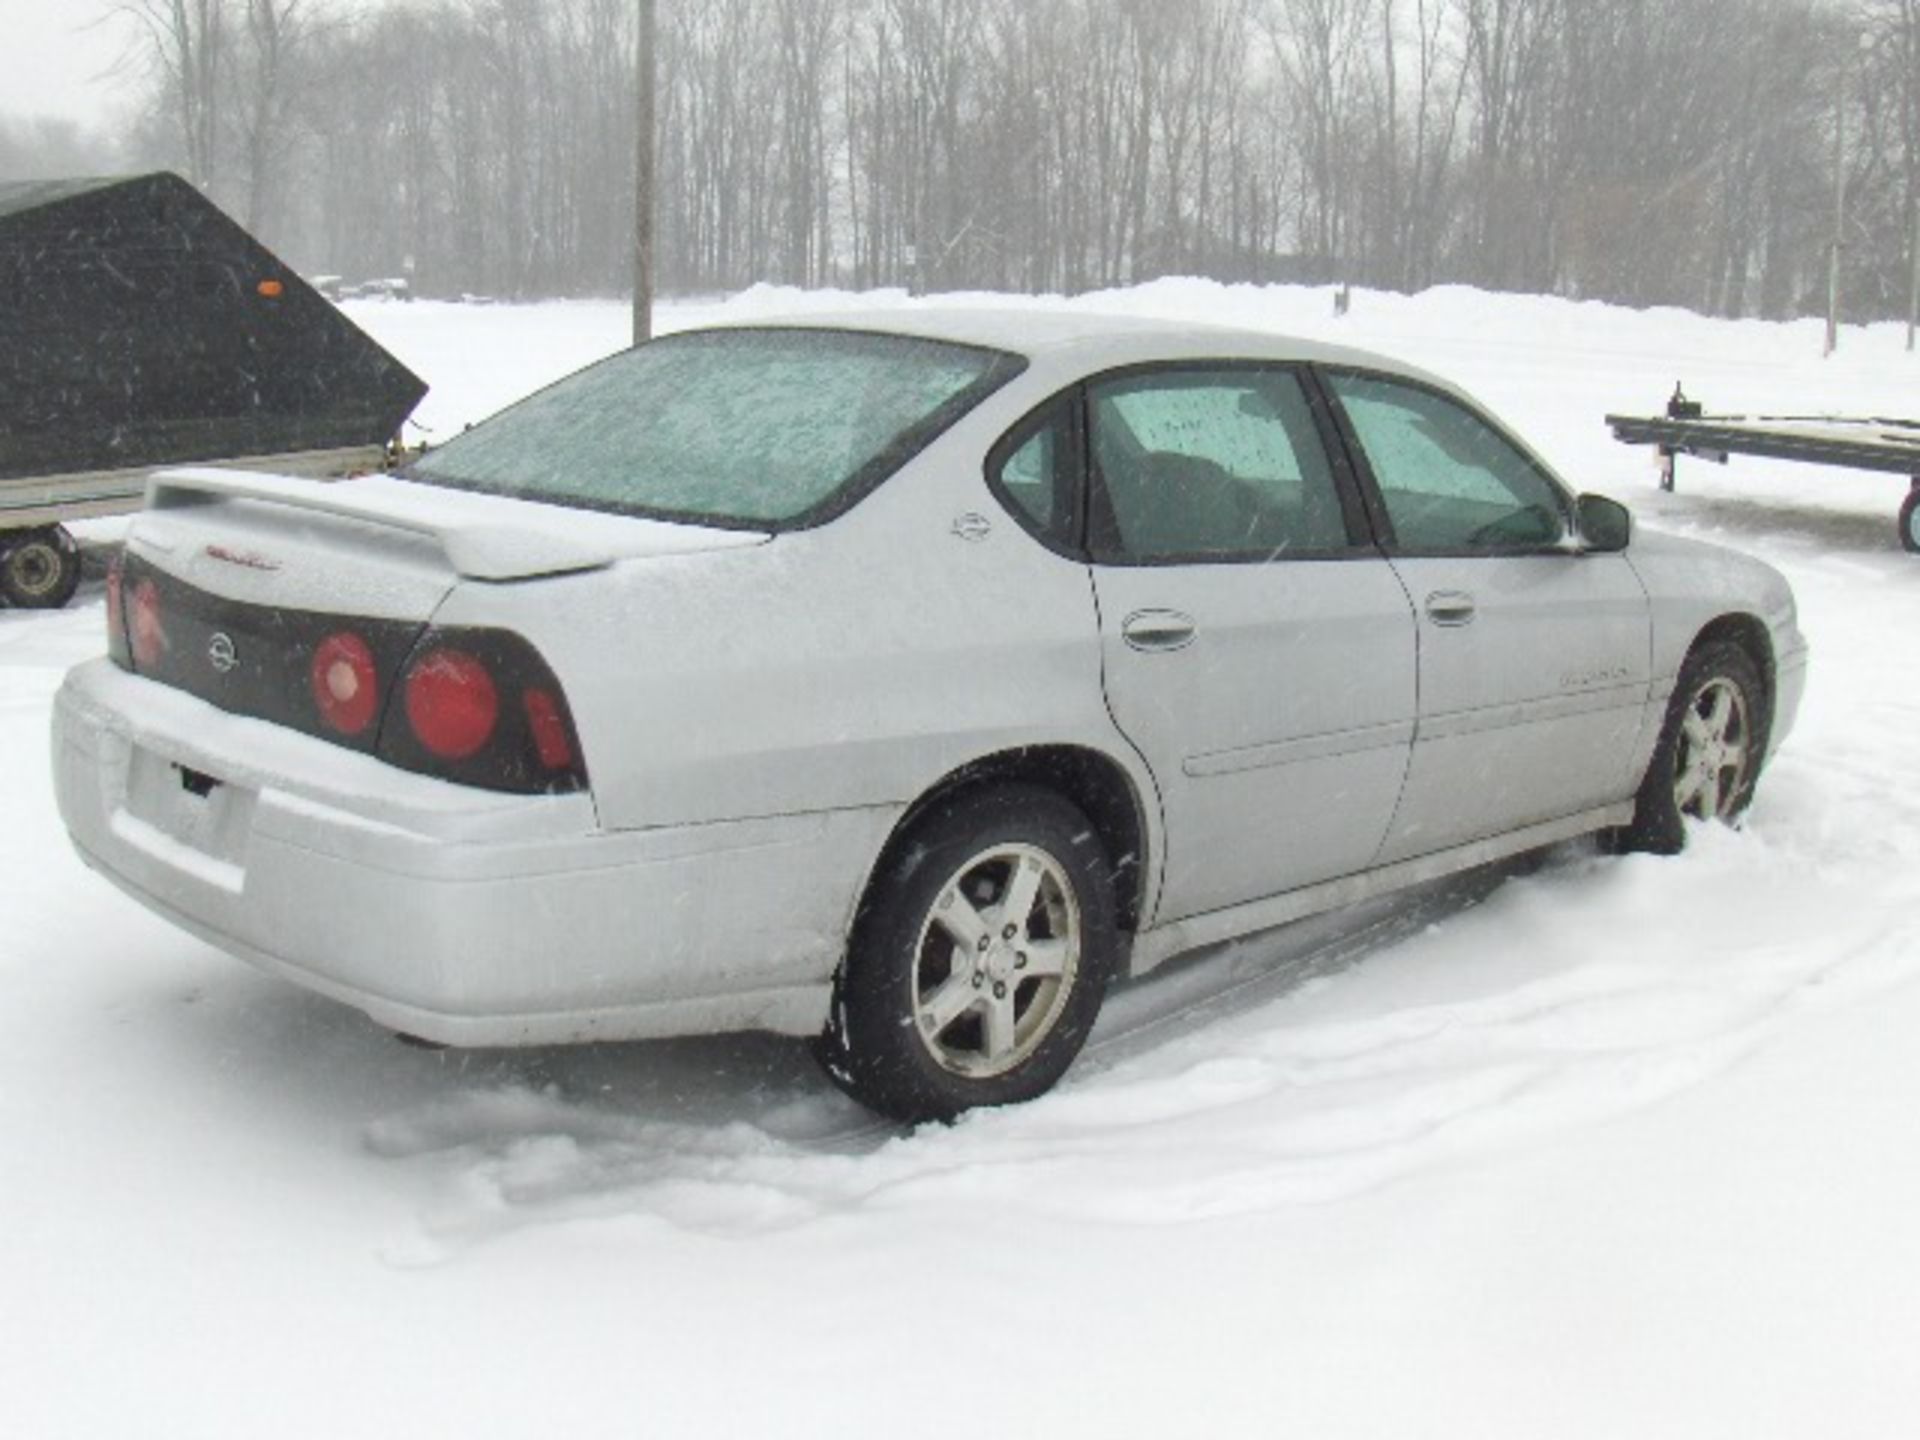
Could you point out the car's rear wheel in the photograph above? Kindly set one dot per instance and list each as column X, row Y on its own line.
column 1910, row 519
column 1708, row 758
column 39, row 569
column 979, row 958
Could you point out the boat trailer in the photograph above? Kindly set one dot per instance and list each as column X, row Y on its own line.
column 1869, row 443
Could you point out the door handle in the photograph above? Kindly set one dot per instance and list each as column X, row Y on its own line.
column 1158, row 630
column 1450, row 607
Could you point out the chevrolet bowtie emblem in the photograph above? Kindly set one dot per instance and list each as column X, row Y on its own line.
column 221, row 653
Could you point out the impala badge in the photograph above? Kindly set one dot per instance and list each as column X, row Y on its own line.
column 221, row 653
column 972, row 526
column 240, row 557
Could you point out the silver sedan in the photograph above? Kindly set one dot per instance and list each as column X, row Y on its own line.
column 901, row 681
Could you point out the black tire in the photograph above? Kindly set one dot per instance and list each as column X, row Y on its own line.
column 1717, row 669
column 895, row 1042
column 39, row 569
column 1910, row 520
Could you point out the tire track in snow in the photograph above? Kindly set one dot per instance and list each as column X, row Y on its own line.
column 1236, row 1096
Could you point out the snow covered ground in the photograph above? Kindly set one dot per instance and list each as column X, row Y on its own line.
column 1590, row 1147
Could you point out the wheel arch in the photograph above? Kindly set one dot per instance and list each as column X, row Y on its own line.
column 1657, row 825
column 1094, row 782
column 1750, row 634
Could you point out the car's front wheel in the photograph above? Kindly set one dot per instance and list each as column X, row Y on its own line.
column 979, row 959
column 1709, row 753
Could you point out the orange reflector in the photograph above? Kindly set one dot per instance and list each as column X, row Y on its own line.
column 272, row 289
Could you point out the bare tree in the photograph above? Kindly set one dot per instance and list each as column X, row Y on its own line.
column 187, row 46
column 268, row 86
column 1319, row 45
column 1631, row 149
column 50, row 149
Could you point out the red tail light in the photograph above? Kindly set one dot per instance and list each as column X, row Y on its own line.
column 482, row 707
column 468, row 704
column 549, row 729
column 147, row 630
column 117, row 611
column 345, row 683
column 452, row 703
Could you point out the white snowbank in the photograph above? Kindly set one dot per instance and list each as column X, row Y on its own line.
column 1600, row 1147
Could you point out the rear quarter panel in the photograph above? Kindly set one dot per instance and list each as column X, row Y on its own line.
column 849, row 665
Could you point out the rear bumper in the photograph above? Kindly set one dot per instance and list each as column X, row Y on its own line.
column 462, row 916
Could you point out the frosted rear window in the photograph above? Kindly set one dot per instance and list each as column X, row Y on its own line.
column 746, row 427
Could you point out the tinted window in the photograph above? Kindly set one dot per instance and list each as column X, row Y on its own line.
column 1450, row 481
column 742, row 426
column 1039, row 475
column 1212, row 463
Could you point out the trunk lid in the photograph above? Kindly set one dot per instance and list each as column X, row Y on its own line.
column 476, row 536
column 232, row 581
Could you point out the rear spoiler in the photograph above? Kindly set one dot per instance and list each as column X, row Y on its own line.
column 478, row 548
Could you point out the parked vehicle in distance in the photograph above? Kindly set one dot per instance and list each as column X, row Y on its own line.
column 388, row 287
column 899, row 679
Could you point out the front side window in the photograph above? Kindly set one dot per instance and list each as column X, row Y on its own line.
column 1450, row 482
column 1210, row 464
column 769, row 427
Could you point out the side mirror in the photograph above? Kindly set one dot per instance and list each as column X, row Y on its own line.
column 1605, row 525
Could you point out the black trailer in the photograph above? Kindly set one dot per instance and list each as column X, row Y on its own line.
column 1863, row 443
column 140, row 326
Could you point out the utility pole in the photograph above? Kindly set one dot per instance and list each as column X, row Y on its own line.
column 1839, row 210
column 1850, row 55
column 1909, row 53
column 643, row 176
column 1913, row 294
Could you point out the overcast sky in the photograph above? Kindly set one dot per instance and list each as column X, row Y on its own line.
column 55, row 56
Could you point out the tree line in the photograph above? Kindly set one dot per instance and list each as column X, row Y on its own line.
column 1703, row 154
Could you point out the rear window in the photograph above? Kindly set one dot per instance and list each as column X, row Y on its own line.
column 773, row 429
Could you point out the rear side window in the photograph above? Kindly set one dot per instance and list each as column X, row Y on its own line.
column 1036, row 470
column 765, row 428
column 1029, row 472
column 1211, row 463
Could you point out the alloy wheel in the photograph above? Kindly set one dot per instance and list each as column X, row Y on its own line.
column 996, row 960
column 1714, row 753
